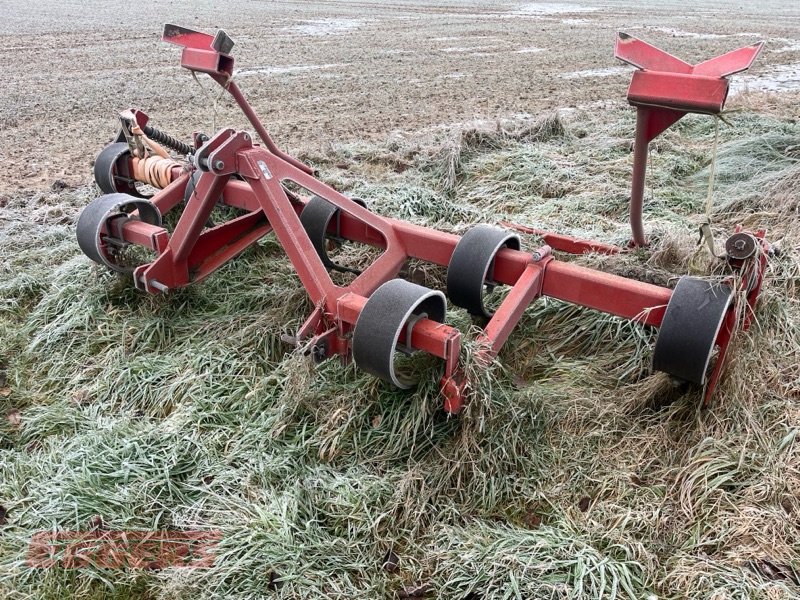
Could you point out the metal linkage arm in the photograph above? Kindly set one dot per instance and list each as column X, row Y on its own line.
column 204, row 53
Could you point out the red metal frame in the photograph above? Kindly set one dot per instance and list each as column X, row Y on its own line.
column 192, row 251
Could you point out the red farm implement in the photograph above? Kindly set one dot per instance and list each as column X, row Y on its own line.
column 377, row 314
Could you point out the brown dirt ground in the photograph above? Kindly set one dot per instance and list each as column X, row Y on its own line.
column 377, row 67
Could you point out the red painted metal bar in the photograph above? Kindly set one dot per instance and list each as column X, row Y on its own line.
column 650, row 122
column 172, row 195
column 278, row 208
column 265, row 172
column 238, row 194
column 198, row 209
column 171, row 268
column 260, row 129
column 525, row 290
column 614, row 294
column 222, row 243
column 646, row 56
column 640, row 149
column 690, row 93
column 145, row 235
column 730, row 63
column 565, row 243
column 224, row 255
column 635, row 300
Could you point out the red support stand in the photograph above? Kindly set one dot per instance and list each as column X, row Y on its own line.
column 663, row 90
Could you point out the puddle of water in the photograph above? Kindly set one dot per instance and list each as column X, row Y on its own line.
column 687, row 34
column 783, row 78
column 465, row 49
column 529, row 50
column 552, row 8
column 790, row 45
column 454, row 76
column 319, row 27
column 607, row 72
column 458, row 38
column 283, row 70
column 575, row 21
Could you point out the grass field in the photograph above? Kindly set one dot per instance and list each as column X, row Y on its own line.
column 574, row 472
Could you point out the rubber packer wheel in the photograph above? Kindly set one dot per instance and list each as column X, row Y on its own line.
column 111, row 170
column 315, row 218
column 388, row 311
column 690, row 327
column 469, row 268
column 92, row 227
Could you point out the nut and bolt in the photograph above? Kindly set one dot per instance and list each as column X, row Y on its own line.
column 219, row 165
column 319, row 352
column 541, row 253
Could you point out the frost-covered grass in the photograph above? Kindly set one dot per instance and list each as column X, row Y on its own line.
column 573, row 473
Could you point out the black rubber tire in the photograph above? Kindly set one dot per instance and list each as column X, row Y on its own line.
column 107, row 173
column 315, row 218
column 469, row 266
column 689, row 330
column 383, row 318
column 92, row 224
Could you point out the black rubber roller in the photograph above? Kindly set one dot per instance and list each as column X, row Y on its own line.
column 111, row 170
column 393, row 307
column 316, row 218
column 470, row 267
column 690, row 327
column 93, row 227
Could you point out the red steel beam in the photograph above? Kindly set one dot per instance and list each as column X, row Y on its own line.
column 635, row 300
column 566, row 281
column 524, row 292
column 565, row 243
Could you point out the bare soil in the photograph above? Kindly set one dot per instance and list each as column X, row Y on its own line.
column 326, row 71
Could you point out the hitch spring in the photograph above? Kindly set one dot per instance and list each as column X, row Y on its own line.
column 155, row 171
column 167, row 140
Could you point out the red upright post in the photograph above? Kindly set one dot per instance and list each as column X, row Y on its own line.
column 663, row 90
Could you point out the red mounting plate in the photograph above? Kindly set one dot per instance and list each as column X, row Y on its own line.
column 666, row 81
column 202, row 52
